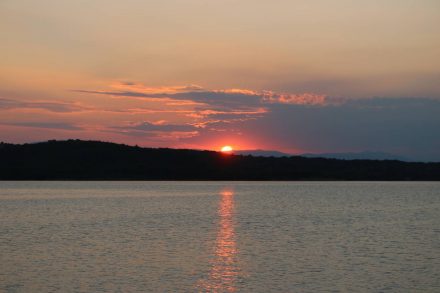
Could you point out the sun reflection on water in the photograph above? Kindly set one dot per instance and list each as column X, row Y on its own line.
column 224, row 267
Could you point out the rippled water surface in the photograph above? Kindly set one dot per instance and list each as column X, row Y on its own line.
column 219, row 237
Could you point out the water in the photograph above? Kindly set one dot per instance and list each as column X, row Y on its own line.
column 219, row 237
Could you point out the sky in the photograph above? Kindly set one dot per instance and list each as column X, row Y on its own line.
column 313, row 76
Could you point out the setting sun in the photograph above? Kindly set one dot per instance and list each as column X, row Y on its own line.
column 226, row 149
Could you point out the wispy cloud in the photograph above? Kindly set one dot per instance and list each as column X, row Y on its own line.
column 193, row 115
column 141, row 88
column 47, row 125
column 159, row 129
column 160, row 126
column 52, row 106
column 404, row 126
column 296, row 99
column 214, row 99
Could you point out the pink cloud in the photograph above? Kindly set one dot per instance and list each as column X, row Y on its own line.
column 141, row 88
column 296, row 99
column 50, row 106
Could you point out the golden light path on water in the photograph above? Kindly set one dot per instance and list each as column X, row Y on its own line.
column 224, row 268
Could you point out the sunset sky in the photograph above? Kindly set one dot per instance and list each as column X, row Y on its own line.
column 295, row 76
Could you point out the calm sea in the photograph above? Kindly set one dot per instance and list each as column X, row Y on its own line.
column 219, row 237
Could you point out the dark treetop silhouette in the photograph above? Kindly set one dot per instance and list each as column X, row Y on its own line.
column 93, row 160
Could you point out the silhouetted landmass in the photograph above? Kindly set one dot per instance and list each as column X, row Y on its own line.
column 92, row 160
column 262, row 153
column 366, row 155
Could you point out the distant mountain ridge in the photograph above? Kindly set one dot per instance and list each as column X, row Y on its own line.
column 365, row 155
column 94, row 160
column 262, row 153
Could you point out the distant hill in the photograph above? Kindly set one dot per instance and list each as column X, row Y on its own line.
column 367, row 155
column 262, row 153
column 93, row 160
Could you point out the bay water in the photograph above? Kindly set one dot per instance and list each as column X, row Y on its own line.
column 219, row 237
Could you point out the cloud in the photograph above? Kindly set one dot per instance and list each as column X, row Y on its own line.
column 276, row 120
column 229, row 114
column 307, row 121
column 140, row 88
column 405, row 126
column 210, row 108
column 296, row 99
column 158, row 129
column 52, row 106
column 141, row 110
column 218, row 100
column 161, row 126
column 48, row 125
column 204, row 99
